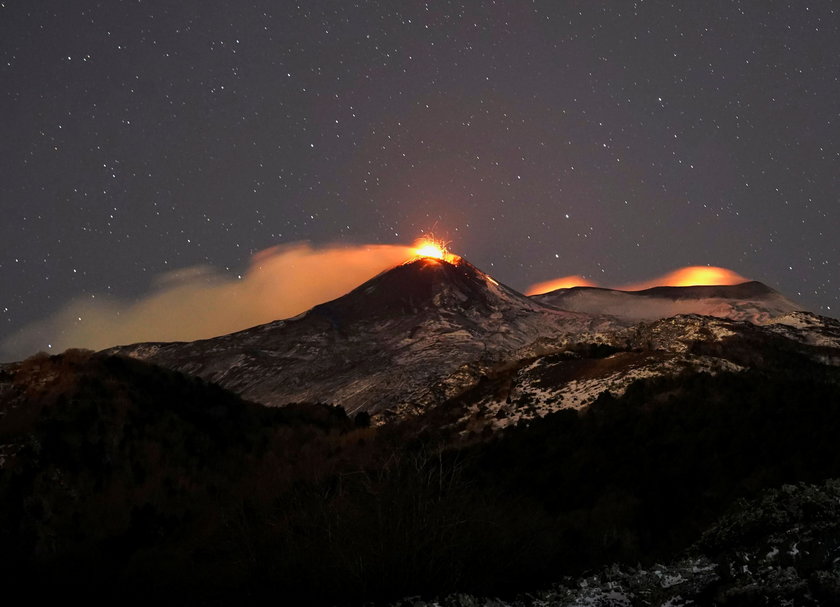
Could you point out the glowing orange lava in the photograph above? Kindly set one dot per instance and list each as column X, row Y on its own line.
column 430, row 250
column 433, row 248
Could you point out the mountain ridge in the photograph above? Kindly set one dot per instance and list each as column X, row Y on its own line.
column 423, row 332
column 752, row 301
column 449, row 434
column 401, row 340
column 749, row 288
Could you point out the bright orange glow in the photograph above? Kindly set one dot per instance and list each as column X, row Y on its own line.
column 281, row 282
column 436, row 249
column 566, row 282
column 691, row 276
column 430, row 250
column 684, row 277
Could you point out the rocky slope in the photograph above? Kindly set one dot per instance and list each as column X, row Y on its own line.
column 780, row 549
column 415, row 335
column 430, row 331
column 114, row 472
column 574, row 373
column 750, row 301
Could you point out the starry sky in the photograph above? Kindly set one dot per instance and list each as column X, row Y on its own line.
column 616, row 140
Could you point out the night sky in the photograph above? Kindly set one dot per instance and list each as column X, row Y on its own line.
column 615, row 140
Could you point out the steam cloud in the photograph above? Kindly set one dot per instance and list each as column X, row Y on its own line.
column 283, row 281
column 201, row 302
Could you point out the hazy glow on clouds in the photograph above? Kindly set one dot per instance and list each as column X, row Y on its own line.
column 565, row 282
column 283, row 281
column 684, row 277
column 690, row 276
column 200, row 302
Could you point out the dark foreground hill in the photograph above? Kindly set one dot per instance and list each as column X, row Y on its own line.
column 779, row 549
column 118, row 477
column 123, row 481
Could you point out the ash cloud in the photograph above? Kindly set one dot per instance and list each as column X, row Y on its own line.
column 201, row 302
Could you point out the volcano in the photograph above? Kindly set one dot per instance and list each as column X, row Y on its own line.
column 425, row 286
column 433, row 330
column 414, row 335
column 502, row 425
column 750, row 301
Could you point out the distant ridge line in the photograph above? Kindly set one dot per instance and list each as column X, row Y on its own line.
column 751, row 288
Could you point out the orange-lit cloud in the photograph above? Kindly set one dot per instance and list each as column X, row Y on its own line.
column 201, row 302
column 684, row 277
column 565, row 282
column 690, row 276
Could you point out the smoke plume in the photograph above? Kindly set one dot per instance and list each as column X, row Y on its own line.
column 200, row 302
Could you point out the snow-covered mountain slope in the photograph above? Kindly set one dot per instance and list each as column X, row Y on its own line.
column 751, row 301
column 566, row 381
column 432, row 333
column 808, row 328
column 414, row 335
column 574, row 373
